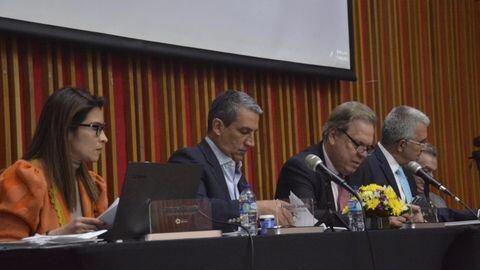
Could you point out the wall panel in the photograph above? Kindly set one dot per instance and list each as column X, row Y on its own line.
column 419, row 53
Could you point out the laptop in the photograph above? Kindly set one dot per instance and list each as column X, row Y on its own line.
column 146, row 183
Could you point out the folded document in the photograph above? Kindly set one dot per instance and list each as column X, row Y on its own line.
column 109, row 215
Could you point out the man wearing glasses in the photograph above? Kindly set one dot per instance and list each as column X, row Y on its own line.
column 404, row 137
column 347, row 138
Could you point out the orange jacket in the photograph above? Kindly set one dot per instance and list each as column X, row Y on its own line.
column 25, row 205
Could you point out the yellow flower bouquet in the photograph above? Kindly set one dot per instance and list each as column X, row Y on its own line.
column 380, row 201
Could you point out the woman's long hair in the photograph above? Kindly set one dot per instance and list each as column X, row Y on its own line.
column 61, row 114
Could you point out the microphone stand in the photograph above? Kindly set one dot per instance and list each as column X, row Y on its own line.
column 426, row 189
column 332, row 214
column 457, row 199
column 342, row 183
column 313, row 162
column 466, row 207
column 416, row 169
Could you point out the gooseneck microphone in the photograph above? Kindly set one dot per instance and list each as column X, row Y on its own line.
column 316, row 164
column 415, row 168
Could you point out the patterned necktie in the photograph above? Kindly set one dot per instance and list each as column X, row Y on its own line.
column 343, row 197
column 404, row 184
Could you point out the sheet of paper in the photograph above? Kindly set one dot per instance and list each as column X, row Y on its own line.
column 64, row 239
column 109, row 215
column 302, row 216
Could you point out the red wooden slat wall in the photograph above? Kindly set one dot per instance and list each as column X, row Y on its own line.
column 419, row 53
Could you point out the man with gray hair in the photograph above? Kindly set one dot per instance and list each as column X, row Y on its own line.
column 404, row 137
column 347, row 138
column 232, row 122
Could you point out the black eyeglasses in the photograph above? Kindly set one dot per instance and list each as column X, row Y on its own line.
column 98, row 127
column 360, row 148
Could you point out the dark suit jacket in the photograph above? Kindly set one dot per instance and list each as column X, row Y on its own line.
column 376, row 170
column 295, row 176
column 212, row 184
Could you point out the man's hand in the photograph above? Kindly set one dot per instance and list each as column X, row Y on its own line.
column 415, row 216
column 283, row 216
column 398, row 222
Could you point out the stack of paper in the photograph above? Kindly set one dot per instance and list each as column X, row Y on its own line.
column 39, row 239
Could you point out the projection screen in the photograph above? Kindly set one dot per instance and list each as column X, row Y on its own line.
column 312, row 36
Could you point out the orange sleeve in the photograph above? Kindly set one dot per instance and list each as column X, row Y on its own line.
column 22, row 191
column 102, row 203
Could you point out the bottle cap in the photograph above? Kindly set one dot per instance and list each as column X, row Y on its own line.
column 266, row 217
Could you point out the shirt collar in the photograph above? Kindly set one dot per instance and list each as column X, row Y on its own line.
column 390, row 159
column 221, row 157
column 328, row 162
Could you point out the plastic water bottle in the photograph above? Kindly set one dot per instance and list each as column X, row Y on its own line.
column 355, row 216
column 248, row 210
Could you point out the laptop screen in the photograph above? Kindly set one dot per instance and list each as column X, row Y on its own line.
column 148, row 182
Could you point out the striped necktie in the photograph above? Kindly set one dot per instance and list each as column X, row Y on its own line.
column 343, row 196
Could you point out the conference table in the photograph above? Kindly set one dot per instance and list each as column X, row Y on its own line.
column 434, row 248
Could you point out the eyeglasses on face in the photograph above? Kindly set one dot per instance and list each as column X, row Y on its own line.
column 360, row 148
column 98, row 127
column 423, row 145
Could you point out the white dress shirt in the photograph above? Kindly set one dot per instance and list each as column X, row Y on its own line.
column 335, row 187
column 394, row 167
column 231, row 170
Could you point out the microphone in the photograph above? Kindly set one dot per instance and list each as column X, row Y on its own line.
column 316, row 164
column 415, row 168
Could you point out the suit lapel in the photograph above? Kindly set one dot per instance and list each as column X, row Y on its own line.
column 215, row 167
column 386, row 170
column 411, row 182
column 326, row 187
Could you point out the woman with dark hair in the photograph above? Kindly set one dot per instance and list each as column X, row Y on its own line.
column 50, row 191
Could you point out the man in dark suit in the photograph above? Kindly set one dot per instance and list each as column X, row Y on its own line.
column 232, row 122
column 404, row 136
column 347, row 137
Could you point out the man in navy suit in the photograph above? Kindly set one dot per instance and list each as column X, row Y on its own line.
column 347, row 138
column 232, row 122
column 404, row 137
